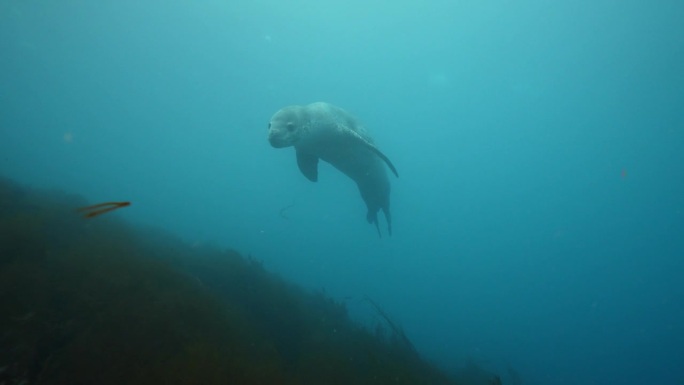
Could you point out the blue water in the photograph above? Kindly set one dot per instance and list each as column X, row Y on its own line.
column 539, row 216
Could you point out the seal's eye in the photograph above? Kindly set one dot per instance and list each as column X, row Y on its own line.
column 269, row 125
column 290, row 127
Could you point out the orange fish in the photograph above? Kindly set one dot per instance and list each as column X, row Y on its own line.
column 101, row 208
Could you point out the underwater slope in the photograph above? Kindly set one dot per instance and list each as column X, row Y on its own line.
column 98, row 302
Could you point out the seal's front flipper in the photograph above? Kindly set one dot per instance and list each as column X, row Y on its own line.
column 308, row 165
column 372, row 147
column 387, row 161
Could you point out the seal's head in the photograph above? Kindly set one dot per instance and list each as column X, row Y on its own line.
column 286, row 127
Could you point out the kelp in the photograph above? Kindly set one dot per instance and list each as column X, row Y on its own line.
column 103, row 302
column 101, row 208
column 397, row 331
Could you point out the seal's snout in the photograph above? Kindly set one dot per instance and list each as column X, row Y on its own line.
column 276, row 140
column 272, row 137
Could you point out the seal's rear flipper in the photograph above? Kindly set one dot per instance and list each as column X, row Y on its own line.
column 308, row 165
column 372, row 217
column 388, row 218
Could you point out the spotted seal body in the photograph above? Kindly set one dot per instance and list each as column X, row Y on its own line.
column 323, row 131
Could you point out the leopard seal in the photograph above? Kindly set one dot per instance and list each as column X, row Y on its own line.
column 323, row 131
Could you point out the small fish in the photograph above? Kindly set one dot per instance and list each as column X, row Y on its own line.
column 101, row 208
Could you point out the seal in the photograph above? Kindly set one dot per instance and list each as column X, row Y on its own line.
column 323, row 131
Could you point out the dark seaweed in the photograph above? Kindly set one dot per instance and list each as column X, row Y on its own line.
column 99, row 302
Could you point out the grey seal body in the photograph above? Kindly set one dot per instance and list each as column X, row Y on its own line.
column 323, row 131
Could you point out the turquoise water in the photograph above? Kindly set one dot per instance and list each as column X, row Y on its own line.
column 539, row 217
